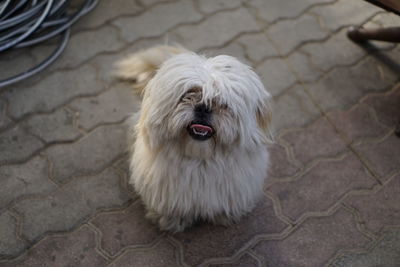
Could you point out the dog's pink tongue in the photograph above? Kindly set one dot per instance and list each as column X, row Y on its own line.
column 201, row 128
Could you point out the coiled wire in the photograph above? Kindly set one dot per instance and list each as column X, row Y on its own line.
column 28, row 22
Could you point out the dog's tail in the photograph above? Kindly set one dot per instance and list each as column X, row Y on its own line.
column 140, row 67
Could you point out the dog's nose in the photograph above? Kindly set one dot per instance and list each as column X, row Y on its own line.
column 202, row 109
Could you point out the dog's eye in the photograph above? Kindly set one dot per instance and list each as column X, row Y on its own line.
column 192, row 95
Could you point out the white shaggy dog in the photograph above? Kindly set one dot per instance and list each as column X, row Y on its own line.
column 198, row 150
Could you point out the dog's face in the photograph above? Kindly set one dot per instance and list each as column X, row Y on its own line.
column 204, row 104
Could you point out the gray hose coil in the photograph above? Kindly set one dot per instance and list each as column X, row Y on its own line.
column 28, row 22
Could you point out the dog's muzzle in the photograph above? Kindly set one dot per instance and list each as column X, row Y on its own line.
column 199, row 128
column 200, row 131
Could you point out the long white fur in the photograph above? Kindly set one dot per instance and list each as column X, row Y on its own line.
column 181, row 179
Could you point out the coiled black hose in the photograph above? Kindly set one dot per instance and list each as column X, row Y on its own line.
column 28, row 22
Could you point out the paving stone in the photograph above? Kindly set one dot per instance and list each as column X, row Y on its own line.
column 381, row 208
column 110, row 107
column 321, row 187
column 207, row 241
column 383, row 156
column 257, row 46
column 344, row 86
column 338, row 50
column 276, row 75
column 20, row 181
column 272, row 10
column 122, row 166
column 386, row 106
column 4, row 120
column 17, row 145
column 148, row 3
column 208, row 33
column 289, row 34
column 293, row 109
column 358, row 123
column 385, row 253
column 124, row 229
column 162, row 254
column 386, row 19
column 73, row 249
column 313, row 242
column 63, row 209
column 89, row 155
column 53, row 91
column 156, row 20
column 14, row 62
column 54, row 127
column 280, row 166
column 318, row 140
column 246, row 260
column 211, row 6
column 80, row 49
column 233, row 49
column 10, row 245
column 341, row 13
column 106, row 11
column 301, row 63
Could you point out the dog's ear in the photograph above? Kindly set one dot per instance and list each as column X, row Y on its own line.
column 264, row 117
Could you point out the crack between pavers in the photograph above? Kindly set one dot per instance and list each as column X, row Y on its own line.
column 250, row 244
column 179, row 250
column 92, row 128
column 339, row 28
column 35, row 244
column 28, row 115
column 18, row 225
column 126, row 15
column 299, row 47
column 75, row 227
column 277, row 207
column 305, row 168
column 98, row 238
column 230, row 41
column 229, row 259
column 288, row 149
column 361, row 226
column 256, row 13
column 60, row 186
column 372, row 114
column 72, row 178
column 34, row 195
column 127, row 249
column 372, row 110
column 256, row 257
column 314, row 160
column 368, row 249
column 365, row 161
column 55, row 143
column 333, row 206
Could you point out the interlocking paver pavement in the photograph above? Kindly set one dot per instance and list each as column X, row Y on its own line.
column 332, row 197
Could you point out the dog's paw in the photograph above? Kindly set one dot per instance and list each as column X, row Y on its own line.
column 224, row 220
column 168, row 223
column 174, row 224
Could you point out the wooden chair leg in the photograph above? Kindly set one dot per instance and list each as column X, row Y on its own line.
column 390, row 34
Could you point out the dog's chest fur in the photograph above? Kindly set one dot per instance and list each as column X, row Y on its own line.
column 223, row 184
